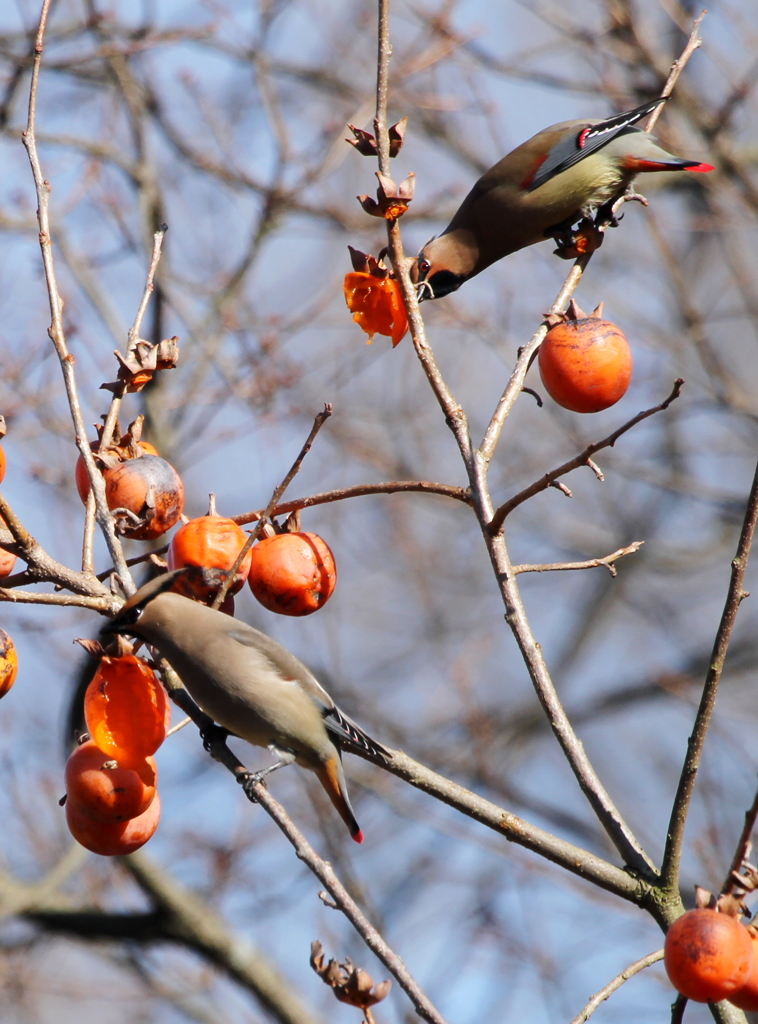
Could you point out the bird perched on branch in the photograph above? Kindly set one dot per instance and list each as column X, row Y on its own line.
column 564, row 173
column 249, row 684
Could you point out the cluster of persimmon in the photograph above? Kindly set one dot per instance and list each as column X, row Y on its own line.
column 291, row 572
column 710, row 955
column 112, row 804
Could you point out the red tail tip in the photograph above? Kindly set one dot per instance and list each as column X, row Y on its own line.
column 701, row 167
column 358, row 836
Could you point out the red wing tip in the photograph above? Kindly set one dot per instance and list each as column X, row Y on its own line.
column 358, row 836
column 701, row 167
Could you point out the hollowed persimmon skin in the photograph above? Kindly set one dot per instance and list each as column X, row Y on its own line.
column 132, row 482
column 292, row 573
column 108, row 794
column 8, row 663
column 2, row 464
column 210, row 542
column 585, row 365
column 117, row 838
column 707, row 955
column 746, row 998
column 126, row 710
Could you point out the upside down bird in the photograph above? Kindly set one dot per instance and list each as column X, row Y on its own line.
column 564, row 173
column 249, row 684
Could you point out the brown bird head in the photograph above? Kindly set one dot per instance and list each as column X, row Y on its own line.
column 440, row 268
column 179, row 581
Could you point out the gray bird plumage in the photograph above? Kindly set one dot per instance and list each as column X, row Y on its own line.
column 249, row 684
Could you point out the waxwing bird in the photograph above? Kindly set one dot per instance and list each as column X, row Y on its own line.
column 538, row 191
column 249, row 684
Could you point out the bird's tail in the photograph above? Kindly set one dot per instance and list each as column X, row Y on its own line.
column 332, row 778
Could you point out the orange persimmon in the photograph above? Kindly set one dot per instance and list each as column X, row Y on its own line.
column 707, row 955
column 7, row 562
column 746, row 998
column 292, row 573
column 210, row 542
column 114, row 839
column 8, row 663
column 2, row 464
column 376, row 304
column 151, row 489
column 126, row 710
column 585, row 362
column 81, row 477
column 104, row 790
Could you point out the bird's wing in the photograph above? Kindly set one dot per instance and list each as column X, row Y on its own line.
column 575, row 147
column 346, row 732
column 342, row 728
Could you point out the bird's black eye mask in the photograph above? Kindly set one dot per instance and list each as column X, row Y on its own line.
column 442, row 282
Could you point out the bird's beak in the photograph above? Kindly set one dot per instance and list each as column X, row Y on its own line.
column 424, row 290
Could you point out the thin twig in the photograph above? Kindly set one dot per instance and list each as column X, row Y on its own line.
column 616, row 983
column 677, row 67
column 56, row 329
column 592, row 563
column 384, row 53
column 743, row 846
column 97, row 604
column 318, row 423
column 133, row 336
column 305, row 852
column 359, row 491
column 515, row 385
column 583, row 459
column 735, row 594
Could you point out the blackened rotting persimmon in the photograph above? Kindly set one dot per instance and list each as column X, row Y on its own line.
column 149, row 488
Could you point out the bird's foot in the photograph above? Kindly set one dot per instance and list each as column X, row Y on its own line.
column 574, row 242
column 214, row 737
column 249, row 780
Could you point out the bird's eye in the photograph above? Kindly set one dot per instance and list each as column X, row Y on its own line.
column 424, row 266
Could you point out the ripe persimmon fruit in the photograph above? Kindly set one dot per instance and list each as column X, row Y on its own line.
column 211, row 542
column 746, row 998
column 2, row 464
column 8, row 663
column 126, row 710
column 149, row 488
column 114, row 839
column 7, row 563
column 707, row 955
column 105, row 791
column 81, row 477
column 585, row 362
column 292, row 573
